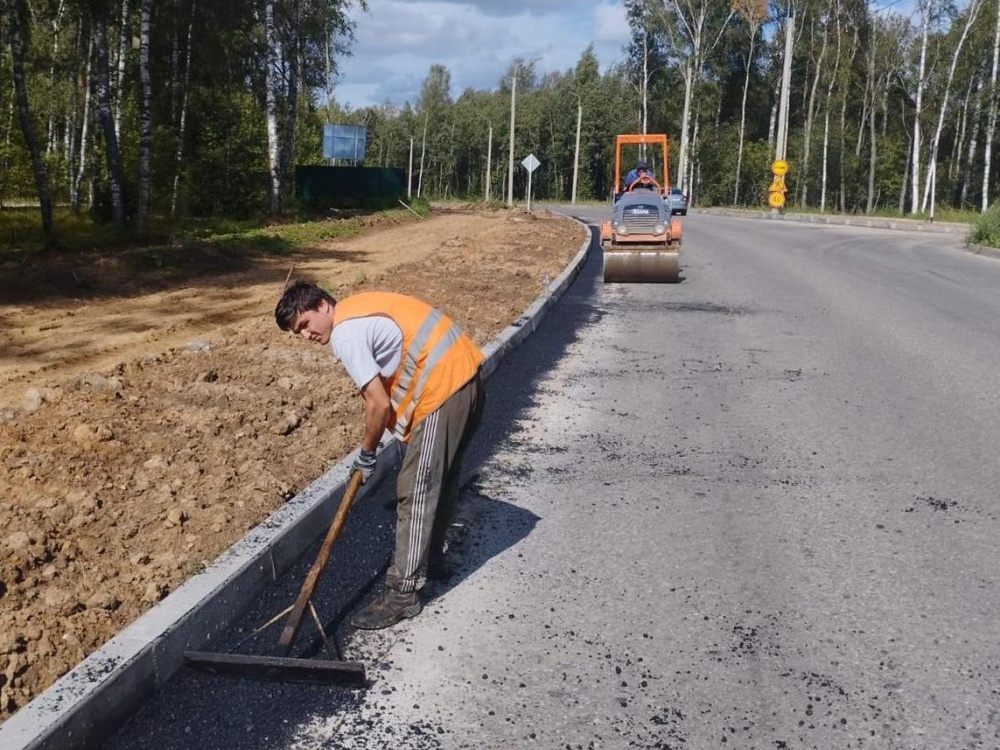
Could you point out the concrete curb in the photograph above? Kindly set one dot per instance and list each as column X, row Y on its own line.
column 872, row 222
column 992, row 252
column 87, row 704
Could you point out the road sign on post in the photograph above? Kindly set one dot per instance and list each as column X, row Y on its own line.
column 776, row 192
column 531, row 163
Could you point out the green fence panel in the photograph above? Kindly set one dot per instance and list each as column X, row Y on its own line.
column 350, row 186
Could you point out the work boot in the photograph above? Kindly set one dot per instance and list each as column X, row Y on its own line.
column 390, row 607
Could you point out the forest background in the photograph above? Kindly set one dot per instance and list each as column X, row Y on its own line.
column 129, row 112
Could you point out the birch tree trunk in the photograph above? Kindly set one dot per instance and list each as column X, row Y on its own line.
column 70, row 124
column 271, row 106
column 182, row 124
column 754, row 12
column 958, row 143
column 991, row 117
column 119, row 82
column 104, row 114
column 925, row 6
column 689, row 82
column 826, row 161
column 810, row 112
column 81, row 167
column 872, row 160
column 8, row 130
column 24, row 115
column 906, row 172
column 690, row 181
column 423, row 150
column 973, row 12
column 689, row 37
column 845, row 90
column 834, row 77
column 843, row 147
column 145, row 116
column 883, row 59
column 970, row 158
column 50, row 145
column 293, row 58
column 772, row 125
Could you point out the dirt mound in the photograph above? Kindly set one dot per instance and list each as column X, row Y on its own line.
column 142, row 435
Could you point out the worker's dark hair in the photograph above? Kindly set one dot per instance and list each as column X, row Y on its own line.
column 296, row 299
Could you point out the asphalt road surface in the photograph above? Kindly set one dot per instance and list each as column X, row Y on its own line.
column 755, row 509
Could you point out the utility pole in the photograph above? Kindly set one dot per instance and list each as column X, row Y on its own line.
column 510, row 166
column 576, row 156
column 782, row 140
column 489, row 161
column 779, row 167
column 409, row 173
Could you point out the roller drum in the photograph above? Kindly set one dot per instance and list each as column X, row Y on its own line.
column 642, row 267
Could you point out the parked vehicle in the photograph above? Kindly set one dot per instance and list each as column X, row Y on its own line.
column 678, row 201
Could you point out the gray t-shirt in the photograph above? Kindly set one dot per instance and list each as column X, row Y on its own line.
column 367, row 347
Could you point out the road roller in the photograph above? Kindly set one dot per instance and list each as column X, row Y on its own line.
column 641, row 241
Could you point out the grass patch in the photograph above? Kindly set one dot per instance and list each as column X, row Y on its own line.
column 986, row 229
column 91, row 259
column 21, row 235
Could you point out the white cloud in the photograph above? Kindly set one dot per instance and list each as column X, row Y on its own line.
column 476, row 40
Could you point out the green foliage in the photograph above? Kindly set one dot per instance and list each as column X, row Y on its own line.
column 220, row 161
column 226, row 173
column 986, row 228
column 167, row 243
column 419, row 205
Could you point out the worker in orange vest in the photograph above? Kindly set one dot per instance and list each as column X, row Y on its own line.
column 419, row 376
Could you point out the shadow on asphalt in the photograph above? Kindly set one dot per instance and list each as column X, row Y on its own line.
column 197, row 710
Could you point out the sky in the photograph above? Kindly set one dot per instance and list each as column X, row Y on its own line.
column 397, row 41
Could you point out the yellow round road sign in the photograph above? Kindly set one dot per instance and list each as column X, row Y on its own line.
column 776, row 199
column 779, row 167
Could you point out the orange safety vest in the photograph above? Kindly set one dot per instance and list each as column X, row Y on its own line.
column 437, row 358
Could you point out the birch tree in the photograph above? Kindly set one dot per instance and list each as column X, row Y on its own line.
column 271, row 106
column 692, row 29
column 76, row 174
column 118, row 83
column 927, row 9
column 827, row 109
column 104, row 112
column 182, row 117
column 884, row 59
column 754, row 15
column 145, row 115
column 16, row 42
column 811, row 107
column 991, row 116
column 971, row 13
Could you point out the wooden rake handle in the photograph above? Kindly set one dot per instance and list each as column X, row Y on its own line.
column 295, row 618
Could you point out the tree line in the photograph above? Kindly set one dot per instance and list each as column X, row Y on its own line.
column 887, row 112
column 190, row 107
column 127, row 108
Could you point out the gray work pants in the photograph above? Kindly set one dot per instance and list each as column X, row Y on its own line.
column 428, row 482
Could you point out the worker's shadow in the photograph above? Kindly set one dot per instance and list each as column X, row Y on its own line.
column 484, row 526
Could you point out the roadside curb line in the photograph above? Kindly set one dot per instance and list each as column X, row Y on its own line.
column 87, row 704
column 992, row 252
column 871, row 222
